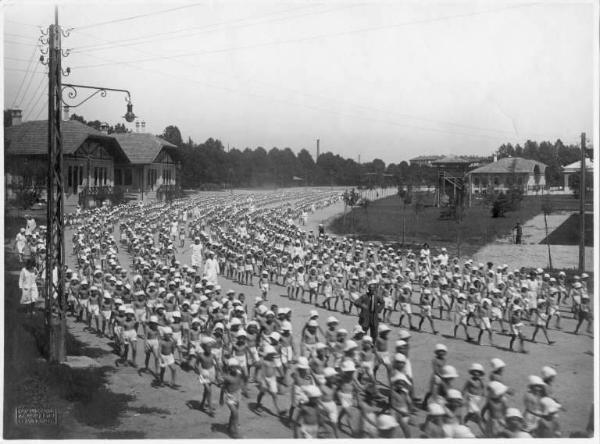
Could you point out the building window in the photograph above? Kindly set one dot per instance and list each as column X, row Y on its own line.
column 81, row 175
column 152, row 177
column 70, row 176
column 496, row 180
column 476, row 181
column 520, row 180
column 127, row 177
column 118, row 180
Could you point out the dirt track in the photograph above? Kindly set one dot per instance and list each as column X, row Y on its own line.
column 168, row 413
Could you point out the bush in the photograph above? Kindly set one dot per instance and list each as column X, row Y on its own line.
column 515, row 196
column 25, row 198
column 500, row 205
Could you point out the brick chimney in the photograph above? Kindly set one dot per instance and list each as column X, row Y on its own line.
column 104, row 128
column 65, row 114
column 16, row 117
column 143, row 126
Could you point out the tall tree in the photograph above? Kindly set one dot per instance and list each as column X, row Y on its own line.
column 173, row 135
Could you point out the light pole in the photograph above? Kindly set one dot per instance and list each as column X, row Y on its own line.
column 55, row 298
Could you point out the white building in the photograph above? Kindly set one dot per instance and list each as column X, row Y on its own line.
column 504, row 174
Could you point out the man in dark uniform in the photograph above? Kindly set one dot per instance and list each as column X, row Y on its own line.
column 370, row 304
column 321, row 230
column 518, row 232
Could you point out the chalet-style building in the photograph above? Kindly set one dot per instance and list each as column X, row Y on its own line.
column 89, row 157
column 151, row 170
column 97, row 166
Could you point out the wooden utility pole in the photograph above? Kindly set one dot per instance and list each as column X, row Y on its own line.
column 55, row 257
column 582, row 208
column 548, row 241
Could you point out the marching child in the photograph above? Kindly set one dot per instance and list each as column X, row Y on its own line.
column 474, row 395
column 207, row 377
column 231, row 389
column 541, row 320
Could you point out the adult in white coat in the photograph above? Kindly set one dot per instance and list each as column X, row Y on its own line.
column 196, row 249
column 211, row 269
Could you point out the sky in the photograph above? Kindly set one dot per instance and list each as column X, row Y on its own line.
column 375, row 79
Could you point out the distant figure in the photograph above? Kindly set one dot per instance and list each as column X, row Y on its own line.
column 518, row 229
column 30, row 224
column 321, row 230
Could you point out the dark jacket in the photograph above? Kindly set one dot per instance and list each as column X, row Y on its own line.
column 366, row 316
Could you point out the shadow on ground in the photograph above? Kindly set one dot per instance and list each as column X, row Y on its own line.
column 79, row 396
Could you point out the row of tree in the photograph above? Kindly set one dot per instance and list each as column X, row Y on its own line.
column 96, row 124
column 555, row 155
column 209, row 163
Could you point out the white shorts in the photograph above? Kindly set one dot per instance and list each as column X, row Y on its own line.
column 516, row 328
column 151, row 345
column 177, row 338
column 94, row 309
column 140, row 315
column 166, row 360
column 484, row 324
column 254, row 354
column 207, row 376
column 287, row 354
column 129, row 335
column 405, row 307
column 332, row 410
column 269, row 383
column 195, row 347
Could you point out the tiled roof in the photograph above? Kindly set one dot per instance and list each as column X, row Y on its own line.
column 575, row 167
column 510, row 165
column 31, row 138
column 426, row 158
column 452, row 159
column 142, row 147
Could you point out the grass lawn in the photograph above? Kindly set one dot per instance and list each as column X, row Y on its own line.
column 386, row 220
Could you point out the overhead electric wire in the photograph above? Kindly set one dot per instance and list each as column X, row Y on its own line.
column 23, row 24
column 320, row 36
column 44, row 94
column 19, row 43
column 236, row 91
column 405, row 116
column 15, row 69
column 130, row 63
column 31, row 59
column 10, row 34
column 135, row 17
column 36, row 71
column 35, row 93
column 16, row 59
column 202, row 29
column 40, row 110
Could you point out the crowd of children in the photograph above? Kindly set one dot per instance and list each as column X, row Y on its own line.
column 178, row 316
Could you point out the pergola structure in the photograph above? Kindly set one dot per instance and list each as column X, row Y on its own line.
column 451, row 178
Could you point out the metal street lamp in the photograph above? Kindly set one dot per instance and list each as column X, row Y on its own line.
column 55, row 256
column 72, row 92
